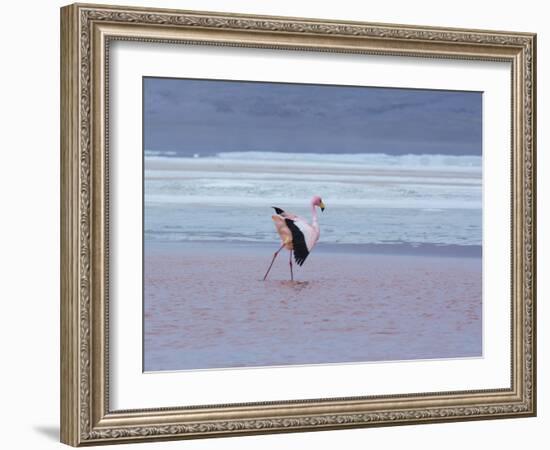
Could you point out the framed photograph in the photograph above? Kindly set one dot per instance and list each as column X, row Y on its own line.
column 276, row 224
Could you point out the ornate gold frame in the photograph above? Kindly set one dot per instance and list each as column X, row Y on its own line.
column 86, row 31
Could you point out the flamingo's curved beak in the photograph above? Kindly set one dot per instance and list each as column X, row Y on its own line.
column 322, row 206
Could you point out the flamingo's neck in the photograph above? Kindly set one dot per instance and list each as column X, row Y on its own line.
column 314, row 219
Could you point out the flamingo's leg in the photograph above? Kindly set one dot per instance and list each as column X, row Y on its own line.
column 273, row 260
column 290, row 262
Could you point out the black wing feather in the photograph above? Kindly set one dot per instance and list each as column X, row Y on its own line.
column 278, row 210
column 298, row 242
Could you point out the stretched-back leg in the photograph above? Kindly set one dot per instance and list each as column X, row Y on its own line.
column 273, row 260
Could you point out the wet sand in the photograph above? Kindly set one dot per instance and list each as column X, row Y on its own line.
column 206, row 306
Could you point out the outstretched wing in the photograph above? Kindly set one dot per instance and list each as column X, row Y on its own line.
column 284, row 214
column 301, row 251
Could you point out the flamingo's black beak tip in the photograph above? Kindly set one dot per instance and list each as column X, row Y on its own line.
column 322, row 208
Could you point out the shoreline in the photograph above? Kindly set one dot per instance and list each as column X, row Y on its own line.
column 397, row 249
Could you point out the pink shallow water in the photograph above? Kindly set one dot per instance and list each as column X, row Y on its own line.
column 206, row 306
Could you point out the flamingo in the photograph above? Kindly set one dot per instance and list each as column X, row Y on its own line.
column 296, row 234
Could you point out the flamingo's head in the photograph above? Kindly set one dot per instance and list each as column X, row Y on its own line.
column 316, row 201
